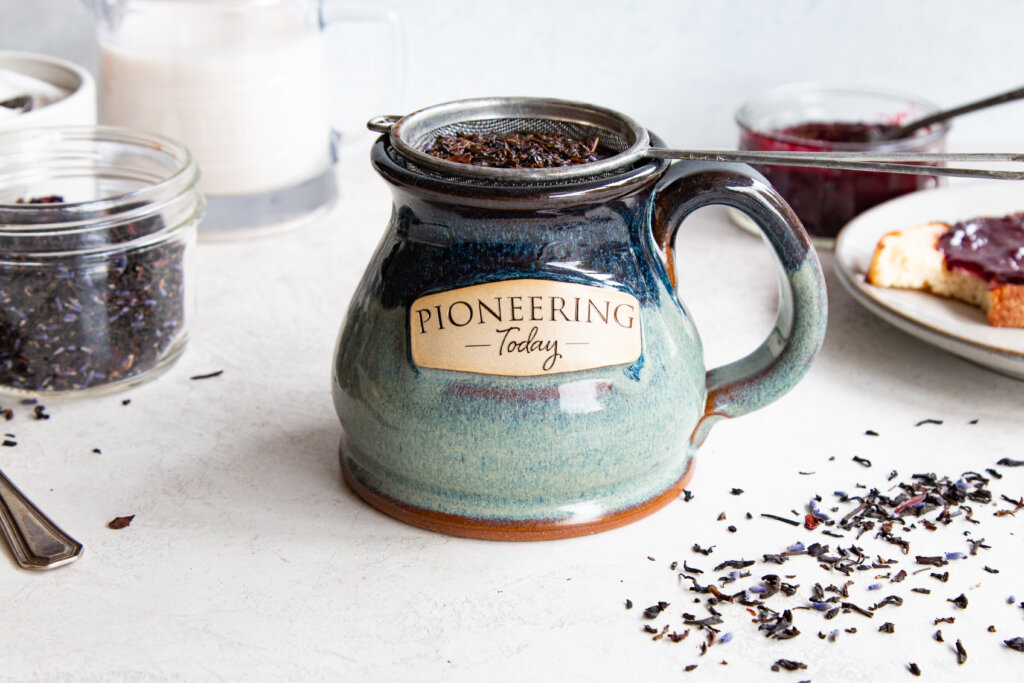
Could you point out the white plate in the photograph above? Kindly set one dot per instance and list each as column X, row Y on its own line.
column 950, row 325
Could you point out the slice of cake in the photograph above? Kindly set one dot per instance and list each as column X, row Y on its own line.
column 980, row 261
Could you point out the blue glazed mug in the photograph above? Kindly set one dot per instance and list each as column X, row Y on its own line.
column 515, row 363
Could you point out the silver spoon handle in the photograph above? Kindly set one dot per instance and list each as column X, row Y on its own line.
column 35, row 541
column 857, row 161
column 906, row 130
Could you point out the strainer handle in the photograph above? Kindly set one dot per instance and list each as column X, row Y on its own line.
column 783, row 358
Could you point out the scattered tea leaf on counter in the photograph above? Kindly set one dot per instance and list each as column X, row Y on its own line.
column 777, row 518
column 890, row 600
column 654, row 610
column 120, row 522
column 978, row 544
column 788, row 665
column 209, row 375
column 922, row 502
column 734, row 564
column 960, row 601
column 679, row 637
column 961, row 652
column 849, row 606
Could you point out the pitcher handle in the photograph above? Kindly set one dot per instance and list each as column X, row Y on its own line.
column 786, row 354
column 390, row 94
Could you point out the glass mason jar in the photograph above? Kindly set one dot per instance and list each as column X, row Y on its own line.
column 808, row 118
column 97, row 227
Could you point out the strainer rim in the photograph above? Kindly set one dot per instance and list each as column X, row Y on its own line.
column 436, row 116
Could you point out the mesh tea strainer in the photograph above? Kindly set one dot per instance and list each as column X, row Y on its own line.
column 630, row 143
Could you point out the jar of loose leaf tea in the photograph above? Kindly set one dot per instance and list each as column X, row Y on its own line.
column 97, row 226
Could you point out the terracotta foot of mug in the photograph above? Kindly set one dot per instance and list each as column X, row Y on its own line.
column 511, row 529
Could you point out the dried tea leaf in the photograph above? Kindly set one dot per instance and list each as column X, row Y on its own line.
column 120, row 522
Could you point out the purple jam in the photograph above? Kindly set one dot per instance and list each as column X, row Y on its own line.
column 991, row 248
column 857, row 133
column 827, row 199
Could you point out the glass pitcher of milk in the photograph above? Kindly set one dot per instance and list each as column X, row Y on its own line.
column 244, row 84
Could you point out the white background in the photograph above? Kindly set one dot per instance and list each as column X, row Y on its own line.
column 681, row 67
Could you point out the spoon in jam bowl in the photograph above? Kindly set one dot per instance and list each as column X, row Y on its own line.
column 908, row 129
column 35, row 541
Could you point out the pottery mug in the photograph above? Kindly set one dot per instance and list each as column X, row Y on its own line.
column 515, row 363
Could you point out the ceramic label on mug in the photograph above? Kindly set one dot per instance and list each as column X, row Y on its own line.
column 523, row 328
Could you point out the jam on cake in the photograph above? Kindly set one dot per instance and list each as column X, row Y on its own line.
column 980, row 261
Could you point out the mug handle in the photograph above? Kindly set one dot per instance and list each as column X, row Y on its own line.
column 337, row 12
column 786, row 354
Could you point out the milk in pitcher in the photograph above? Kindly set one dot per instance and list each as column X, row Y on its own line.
column 243, row 84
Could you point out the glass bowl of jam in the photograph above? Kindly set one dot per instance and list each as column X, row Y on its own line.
column 809, row 118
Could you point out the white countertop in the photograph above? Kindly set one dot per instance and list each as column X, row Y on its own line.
column 249, row 559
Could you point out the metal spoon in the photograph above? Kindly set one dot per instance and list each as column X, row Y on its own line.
column 904, row 131
column 35, row 541
column 20, row 103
